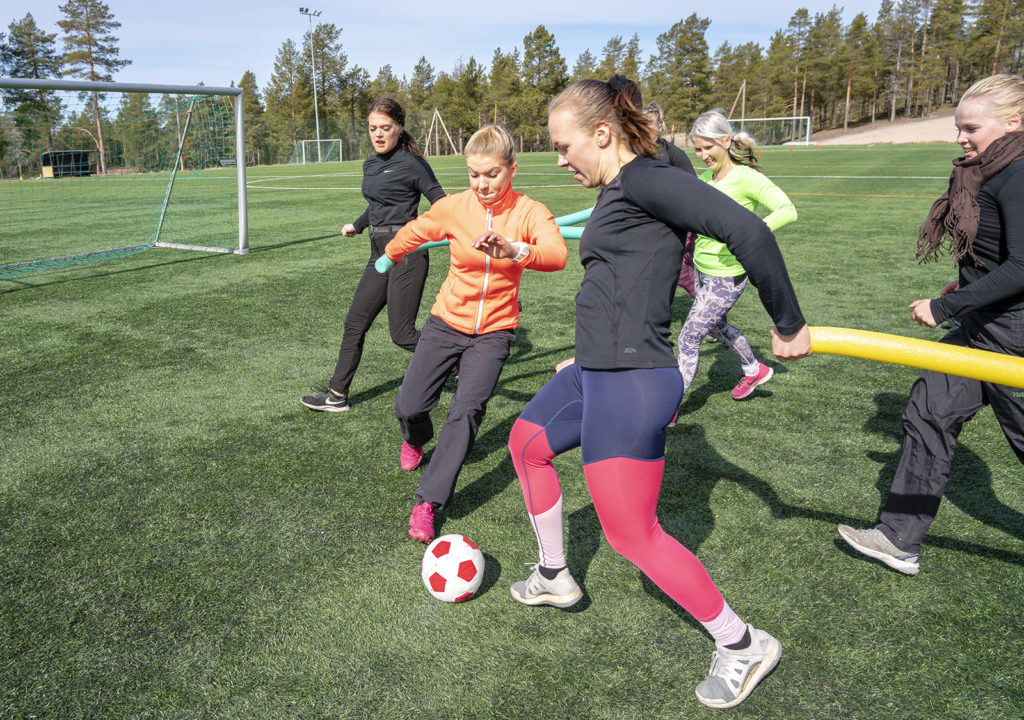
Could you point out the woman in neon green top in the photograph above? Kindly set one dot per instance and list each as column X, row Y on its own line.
column 719, row 277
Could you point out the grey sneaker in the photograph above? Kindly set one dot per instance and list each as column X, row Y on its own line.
column 874, row 544
column 735, row 673
column 325, row 401
column 562, row 592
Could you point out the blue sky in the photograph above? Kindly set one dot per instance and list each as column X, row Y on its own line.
column 186, row 41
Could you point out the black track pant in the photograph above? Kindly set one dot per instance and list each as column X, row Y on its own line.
column 400, row 289
column 480, row 359
column 939, row 406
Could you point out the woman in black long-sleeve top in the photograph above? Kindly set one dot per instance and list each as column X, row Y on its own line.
column 983, row 212
column 615, row 401
column 394, row 178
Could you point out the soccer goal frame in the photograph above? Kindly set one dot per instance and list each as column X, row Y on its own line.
column 742, row 125
column 301, row 155
column 238, row 162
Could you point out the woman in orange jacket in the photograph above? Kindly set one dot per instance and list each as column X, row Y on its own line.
column 494, row 234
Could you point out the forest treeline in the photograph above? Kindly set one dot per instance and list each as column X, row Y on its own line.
column 916, row 56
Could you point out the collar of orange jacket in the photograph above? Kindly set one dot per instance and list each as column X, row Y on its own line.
column 505, row 201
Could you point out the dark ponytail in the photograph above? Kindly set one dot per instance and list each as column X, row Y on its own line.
column 637, row 126
column 391, row 108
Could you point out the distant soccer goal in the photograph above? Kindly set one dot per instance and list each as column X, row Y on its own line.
column 315, row 151
column 93, row 170
column 795, row 130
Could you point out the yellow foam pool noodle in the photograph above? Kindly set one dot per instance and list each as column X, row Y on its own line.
column 940, row 357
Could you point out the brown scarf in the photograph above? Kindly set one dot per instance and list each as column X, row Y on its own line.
column 955, row 214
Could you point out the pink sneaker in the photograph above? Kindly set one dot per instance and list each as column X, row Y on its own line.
column 747, row 383
column 421, row 522
column 410, row 457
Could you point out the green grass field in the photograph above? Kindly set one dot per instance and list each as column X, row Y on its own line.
column 179, row 538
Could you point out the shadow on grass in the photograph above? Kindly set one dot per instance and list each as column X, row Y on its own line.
column 290, row 243
column 685, row 512
column 723, row 375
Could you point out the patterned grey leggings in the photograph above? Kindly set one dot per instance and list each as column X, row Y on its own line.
column 708, row 316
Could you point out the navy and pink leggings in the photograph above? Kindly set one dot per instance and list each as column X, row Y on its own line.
column 617, row 418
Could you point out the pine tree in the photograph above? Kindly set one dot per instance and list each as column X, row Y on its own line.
column 544, row 76
column 949, row 46
column 30, row 53
column 855, row 58
column 137, row 121
column 332, row 76
column 255, row 120
column 504, row 90
column 289, row 102
column 420, row 85
column 995, row 43
column 91, row 51
column 466, row 108
column 679, row 75
column 799, row 26
column 899, row 24
column 631, row 62
column 778, row 74
column 386, row 84
column 824, row 77
column 611, row 57
column 739, row 74
column 585, row 67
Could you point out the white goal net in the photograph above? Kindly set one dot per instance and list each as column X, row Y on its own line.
column 316, row 151
column 794, row 130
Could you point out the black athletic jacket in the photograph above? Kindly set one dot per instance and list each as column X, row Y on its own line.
column 392, row 185
column 997, row 286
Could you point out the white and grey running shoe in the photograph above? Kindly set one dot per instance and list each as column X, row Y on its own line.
column 735, row 673
column 875, row 544
column 562, row 592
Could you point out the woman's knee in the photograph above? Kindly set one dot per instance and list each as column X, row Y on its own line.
column 406, row 337
column 527, row 442
column 634, row 544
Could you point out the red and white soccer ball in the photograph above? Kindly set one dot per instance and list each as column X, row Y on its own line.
column 452, row 568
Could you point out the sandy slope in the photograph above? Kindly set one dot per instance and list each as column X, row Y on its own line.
column 937, row 127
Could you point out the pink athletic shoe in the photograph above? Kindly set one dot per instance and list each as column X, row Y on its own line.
column 410, row 457
column 421, row 522
column 747, row 383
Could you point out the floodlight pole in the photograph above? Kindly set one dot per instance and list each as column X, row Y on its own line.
column 316, row 112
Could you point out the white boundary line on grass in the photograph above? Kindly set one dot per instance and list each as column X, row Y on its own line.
column 450, row 187
column 863, row 177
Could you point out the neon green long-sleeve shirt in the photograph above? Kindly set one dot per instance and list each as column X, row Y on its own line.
column 749, row 188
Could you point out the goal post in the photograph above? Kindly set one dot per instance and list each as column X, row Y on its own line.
column 791, row 130
column 77, row 185
column 316, row 151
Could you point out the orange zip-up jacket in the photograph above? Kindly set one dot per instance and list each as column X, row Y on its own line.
column 480, row 294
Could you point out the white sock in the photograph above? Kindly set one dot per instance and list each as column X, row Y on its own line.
column 727, row 628
column 750, row 370
column 548, row 527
